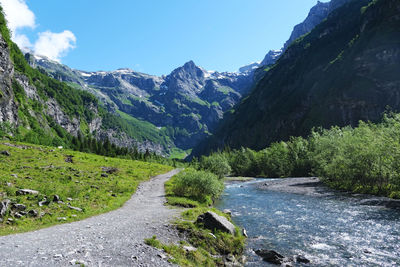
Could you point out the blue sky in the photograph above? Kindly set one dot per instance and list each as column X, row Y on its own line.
column 156, row 36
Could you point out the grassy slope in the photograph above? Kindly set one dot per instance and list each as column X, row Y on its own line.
column 44, row 169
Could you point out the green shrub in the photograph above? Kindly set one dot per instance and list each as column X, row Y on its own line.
column 217, row 164
column 197, row 185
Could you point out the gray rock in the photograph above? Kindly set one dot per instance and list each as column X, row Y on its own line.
column 213, row 221
column 270, row 256
column 189, row 248
column 27, row 192
column 75, row 208
column 18, row 207
column 4, row 206
column 56, row 198
column 44, row 202
column 244, row 233
column 18, row 215
column 301, row 259
column 227, row 211
column 33, row 213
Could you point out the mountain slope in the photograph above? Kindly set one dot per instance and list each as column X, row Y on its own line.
column 347, row 69
column 38, row 109
column 317, row 14
column 183, row 106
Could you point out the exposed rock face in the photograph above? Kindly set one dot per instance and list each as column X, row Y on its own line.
column 316, row 15
column 8, row 107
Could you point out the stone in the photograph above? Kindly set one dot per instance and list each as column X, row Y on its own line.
column 4, row 205
column 104, row 175
column 244, row 232
column 44, row 202
column 5, row 153
column 270, row 256
column 14, row 175
column 33, row 213
column 61, row 218
column 18, row 215
column 227, row 211
column 301, row 259
column 10, row 221
column 69, row 199
column 18, row 207
column 189, row 248
column 68, row 159
column 27, row 192
column 56, row 198
column 75, row 208
column 213, row 221
column 109, row 170
column 162, row 256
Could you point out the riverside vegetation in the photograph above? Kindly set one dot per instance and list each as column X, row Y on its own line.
column 198, row 190
column 363, row 159
column 64, row 185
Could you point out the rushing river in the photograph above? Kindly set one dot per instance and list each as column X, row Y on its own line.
column 328, row 230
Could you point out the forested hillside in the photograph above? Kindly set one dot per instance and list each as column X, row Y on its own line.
column 347, row 69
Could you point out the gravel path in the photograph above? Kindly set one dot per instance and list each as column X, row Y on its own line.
column 111, row 239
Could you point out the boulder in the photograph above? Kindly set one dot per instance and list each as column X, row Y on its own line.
column 213, row 221
column 33, row 213
column 109, row 170
column 27, row 192
column 4, row 205
column 75, row 208
column 45, row 201
column 18, row 207
column 301, row 259
column 18, row 215
column 56, row 198
column 5, row 153
column 270, row 256
column 244, row 232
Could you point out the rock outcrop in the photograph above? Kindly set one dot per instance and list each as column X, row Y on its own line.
column 213, row 221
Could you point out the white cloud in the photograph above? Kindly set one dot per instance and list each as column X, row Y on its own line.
column 49, row 44
column 54, row 45
column 18, row 14
column 22, row 41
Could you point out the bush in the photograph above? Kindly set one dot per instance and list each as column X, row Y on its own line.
column 197, row 185
column 217, row 164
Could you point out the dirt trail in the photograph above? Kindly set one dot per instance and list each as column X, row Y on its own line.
column 110, row 239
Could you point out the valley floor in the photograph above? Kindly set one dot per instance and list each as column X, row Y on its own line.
column 112, row 239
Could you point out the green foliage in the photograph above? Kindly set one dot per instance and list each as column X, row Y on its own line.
column 364, row 159
column 197, row 185
column 216, row 163
column 46, row 170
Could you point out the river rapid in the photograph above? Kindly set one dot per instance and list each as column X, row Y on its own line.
column 330, row 230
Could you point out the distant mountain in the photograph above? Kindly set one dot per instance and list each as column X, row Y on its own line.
column 184, row 105
column 345, row 70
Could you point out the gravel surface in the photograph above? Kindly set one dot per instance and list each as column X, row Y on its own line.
column 111, row 239
column 307, row 186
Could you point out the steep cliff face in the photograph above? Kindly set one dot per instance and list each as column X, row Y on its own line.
column 8, row 107
column 347, row 69
column 316, row 15
column 36, row 108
